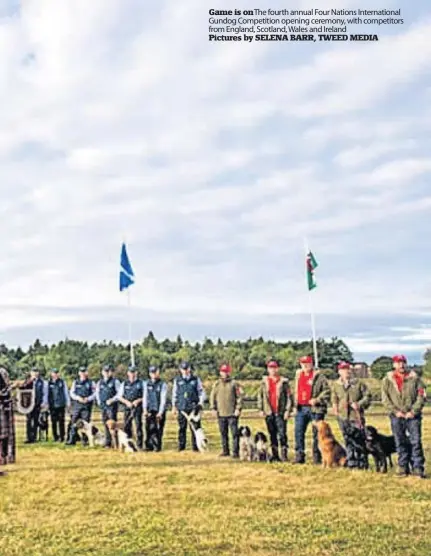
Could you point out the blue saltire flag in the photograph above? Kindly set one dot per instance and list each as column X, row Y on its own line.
column 126, row 271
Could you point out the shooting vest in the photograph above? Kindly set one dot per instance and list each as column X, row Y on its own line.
column 154, row 390
column 84, row 389
column 38, row 384
column 133, row 390
column 187, row 393
column 56, row 397
column 106, row 392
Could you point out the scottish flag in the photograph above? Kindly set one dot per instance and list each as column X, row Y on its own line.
column 126, row 271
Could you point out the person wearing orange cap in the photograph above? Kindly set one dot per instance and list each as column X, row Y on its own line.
column 275, row 405
column 350, row 398
column 311, row 398
column 225, row 402
column 403, row 395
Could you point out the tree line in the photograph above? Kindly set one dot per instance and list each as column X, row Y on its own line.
column 248, row 358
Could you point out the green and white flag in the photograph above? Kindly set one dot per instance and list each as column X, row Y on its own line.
column 311, row 265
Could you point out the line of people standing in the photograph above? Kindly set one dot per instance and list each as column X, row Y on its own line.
column 403, row 395
column 143, row 401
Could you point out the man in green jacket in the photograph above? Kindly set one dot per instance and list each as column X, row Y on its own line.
column 311, row 398
column 225, row 402
column 404, row 396
column 275, row 405
column 350, row 398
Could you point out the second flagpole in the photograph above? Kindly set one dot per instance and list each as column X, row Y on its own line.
column 311, row 309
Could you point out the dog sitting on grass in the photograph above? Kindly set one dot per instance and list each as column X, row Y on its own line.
column 119, row 439
column 381, row 447
column 261, row 447
column 90, row 433
column 43, row 426
column 355, row 436
column 333, row 454
column 194, row 420
column 247, row 448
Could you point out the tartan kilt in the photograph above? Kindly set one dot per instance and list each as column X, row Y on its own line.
column 7, row 433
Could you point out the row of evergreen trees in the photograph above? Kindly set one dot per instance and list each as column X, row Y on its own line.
column 248, row 358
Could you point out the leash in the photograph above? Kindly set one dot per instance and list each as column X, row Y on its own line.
column 189, row 420
column 130, row 417
column 359, row 421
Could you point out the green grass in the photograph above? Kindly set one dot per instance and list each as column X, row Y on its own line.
column 65, row 501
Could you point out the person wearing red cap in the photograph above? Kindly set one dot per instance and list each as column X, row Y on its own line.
column 311, row 398
column 225, row 402
column 403, row 395
column 350, row 398
column 275, row 404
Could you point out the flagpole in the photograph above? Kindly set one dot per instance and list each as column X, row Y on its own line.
column 129, row 315
column 129, row 307
column 311, row 309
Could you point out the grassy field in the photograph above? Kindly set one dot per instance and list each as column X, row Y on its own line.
column 65, row 501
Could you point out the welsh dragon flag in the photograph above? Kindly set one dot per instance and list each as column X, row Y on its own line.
column 311, row 265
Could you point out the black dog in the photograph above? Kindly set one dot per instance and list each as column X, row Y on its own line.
column 356, row 443
column 381, row 447
column 153, row 435
column 43, row 426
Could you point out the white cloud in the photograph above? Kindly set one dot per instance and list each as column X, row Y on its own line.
column 214, row 160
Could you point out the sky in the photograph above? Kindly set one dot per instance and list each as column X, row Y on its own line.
column 119, row 120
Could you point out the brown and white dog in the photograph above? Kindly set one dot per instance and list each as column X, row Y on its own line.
column 119, row 439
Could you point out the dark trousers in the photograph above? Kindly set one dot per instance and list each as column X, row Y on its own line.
column 134, row 416
column 408, row 441
column 354, row 440
column 33, row 424
column 109, row 413
column 57, row 422
column 81, row 411
column 153, row 425
column 182, row 432
column 277, row 430
column 304, row 416
column 226, row 423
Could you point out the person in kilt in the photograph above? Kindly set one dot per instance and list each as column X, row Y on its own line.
column 7, row 422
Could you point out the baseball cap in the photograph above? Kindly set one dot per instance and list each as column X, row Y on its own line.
column 225, row 368
column 272, row 364
column 343, row 365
